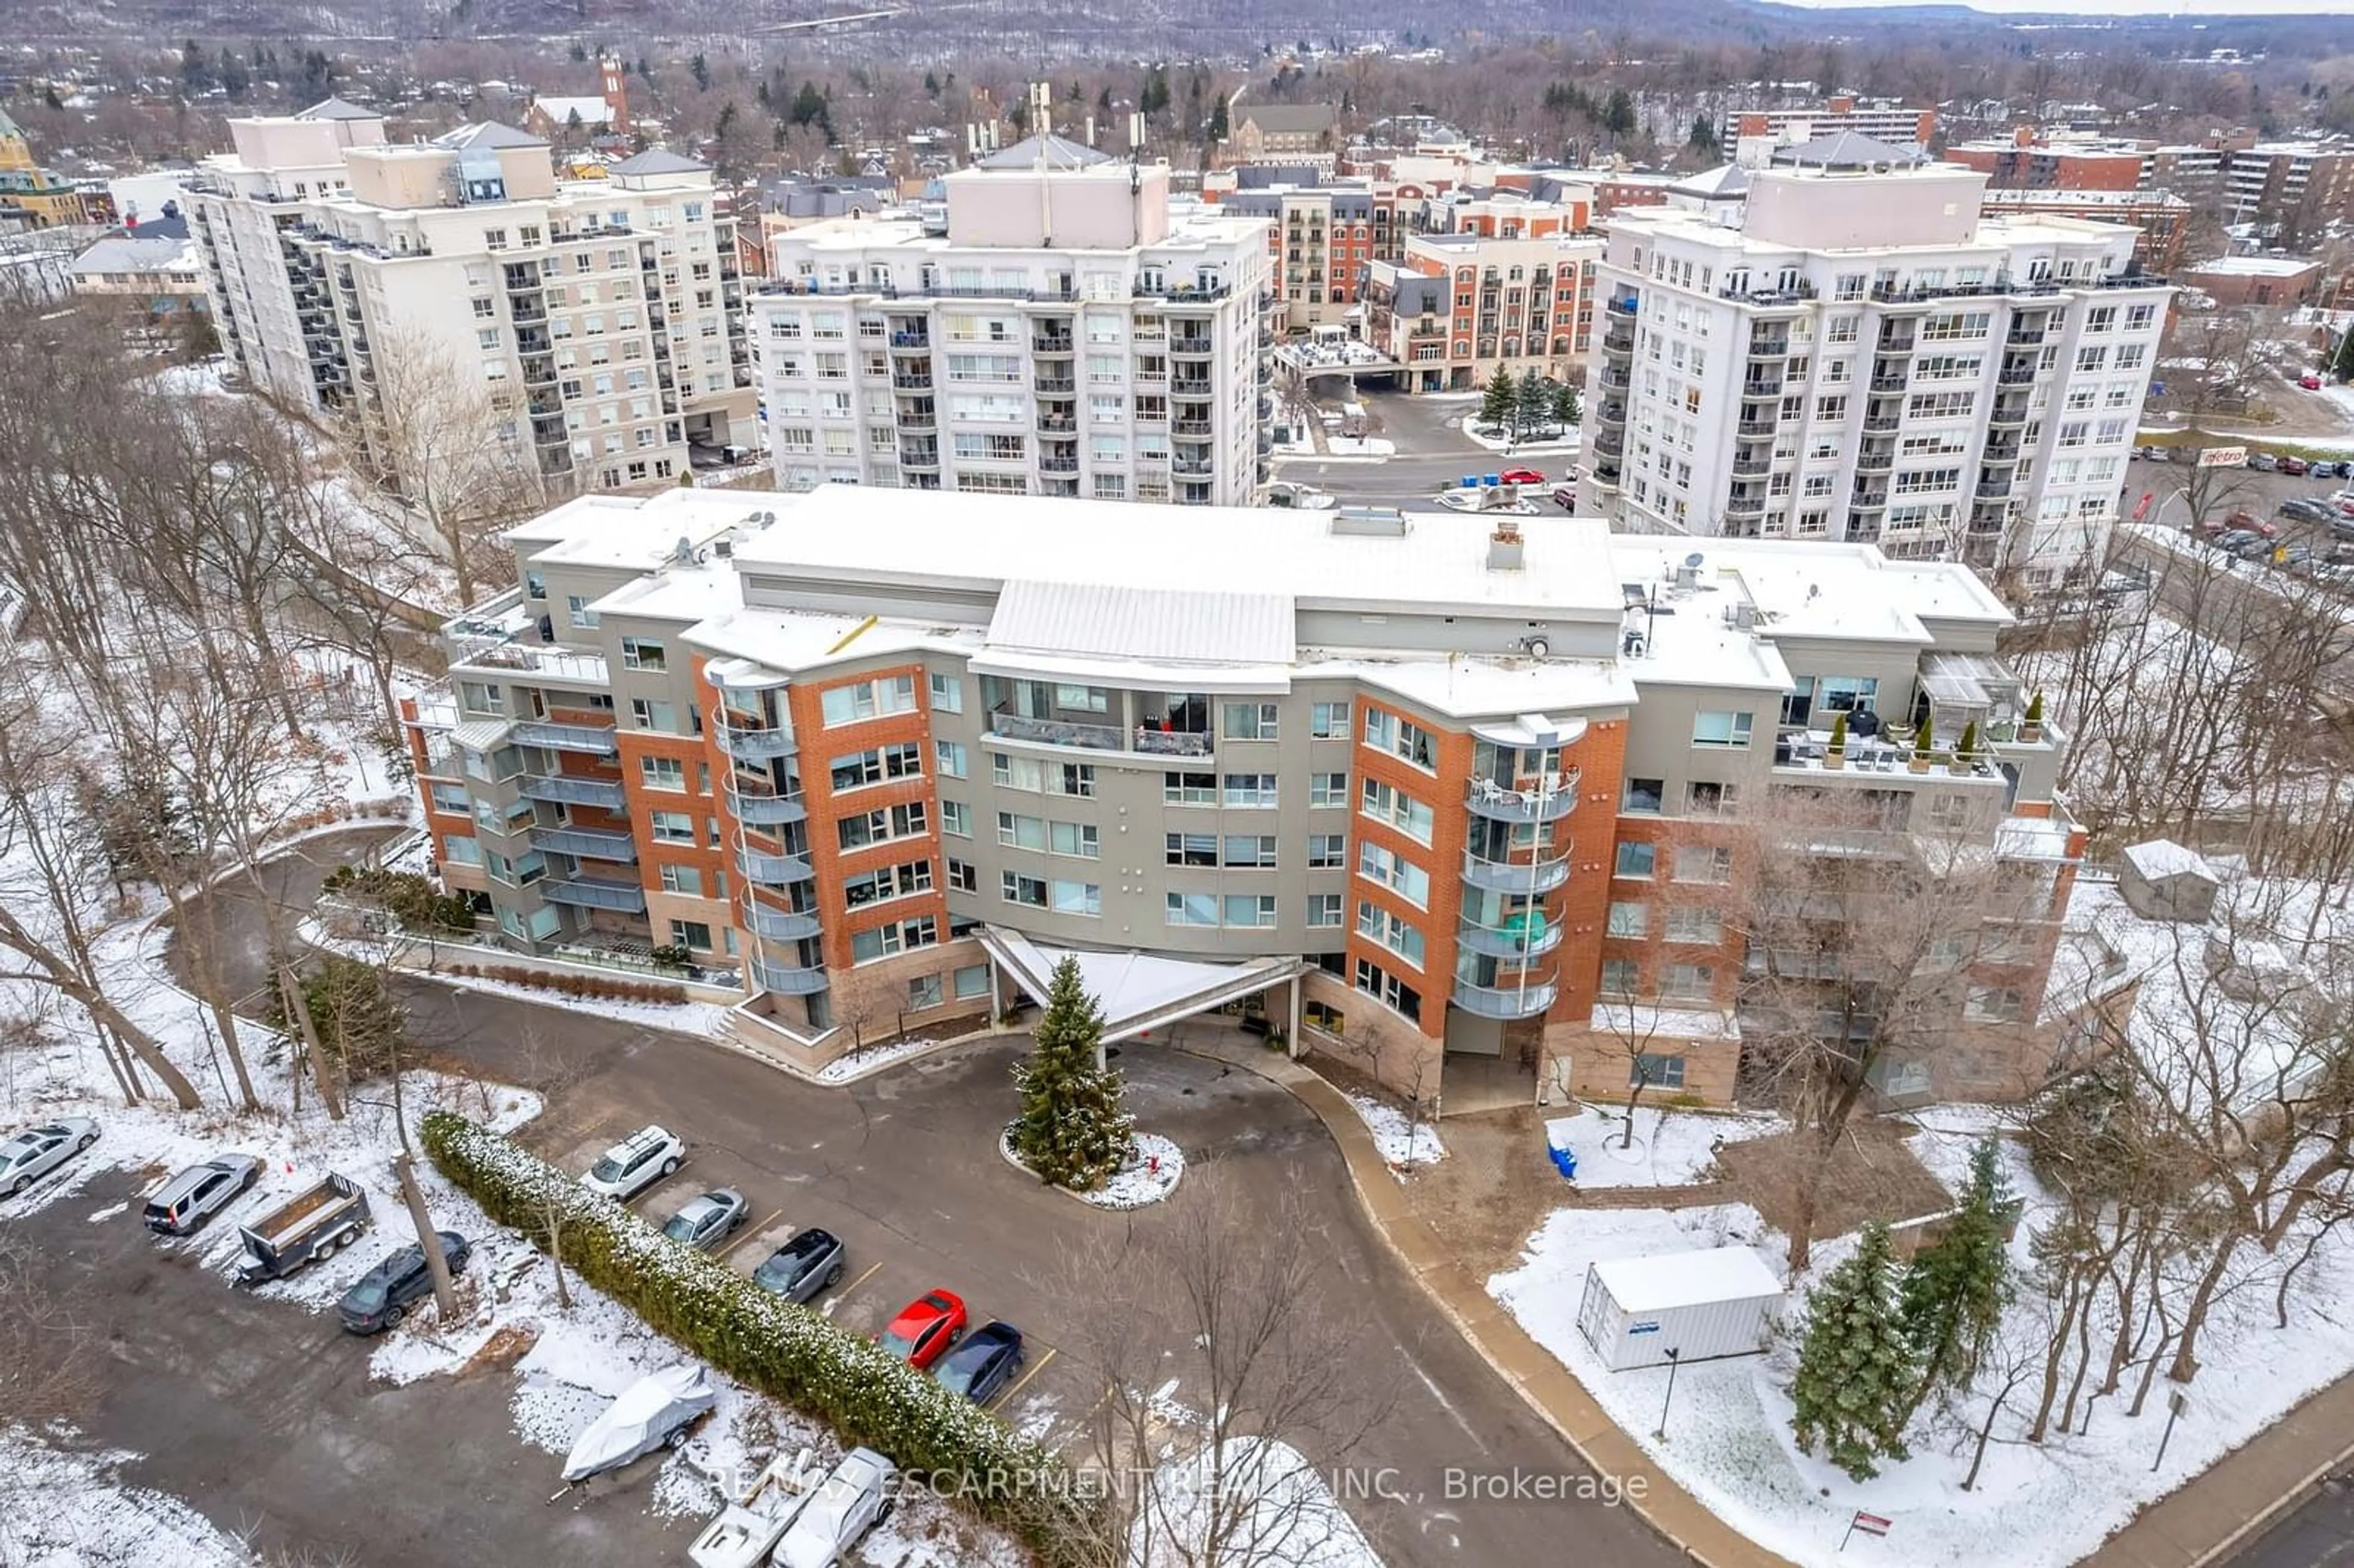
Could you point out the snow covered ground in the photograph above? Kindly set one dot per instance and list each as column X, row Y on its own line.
column 1400, row 1142
column 1728, row 1432
column 1671, row 1148
column 1293, row 1520
column 62, row 1506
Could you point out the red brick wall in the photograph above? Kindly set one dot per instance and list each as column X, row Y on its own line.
column 819, row 747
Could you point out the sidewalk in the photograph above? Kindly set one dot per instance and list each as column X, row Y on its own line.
column 2221, row 1511
column 1541, row 1380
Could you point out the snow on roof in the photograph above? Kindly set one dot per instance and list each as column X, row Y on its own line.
column 561, row 111
column 2253, row 267
column 659, row 161
column 1151, row 623
column 1136, row 990
column 1665, row 1281
column 336, row 109
column 125, row 254
column 487, row 133
column 1644, row 1022
column 1440, row 562
column 1044, row 151
column 2161, row 858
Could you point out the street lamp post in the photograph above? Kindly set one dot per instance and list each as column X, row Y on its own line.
column 1661, row 1434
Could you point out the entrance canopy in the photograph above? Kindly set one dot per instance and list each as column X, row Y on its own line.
column 1137, row 992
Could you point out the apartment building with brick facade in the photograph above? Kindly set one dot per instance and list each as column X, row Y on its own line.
column 1455, row 800
column 1458, row 305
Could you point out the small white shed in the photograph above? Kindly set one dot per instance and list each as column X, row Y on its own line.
column 2161, row 880
column 1714, row 1302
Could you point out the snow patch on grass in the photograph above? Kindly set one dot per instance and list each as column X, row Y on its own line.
column 66, row 1506
column 1671, row 1148
column 1399, row 1142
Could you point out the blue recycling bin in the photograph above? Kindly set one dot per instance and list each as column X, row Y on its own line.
column 1563, row 1161
column 1469, row 482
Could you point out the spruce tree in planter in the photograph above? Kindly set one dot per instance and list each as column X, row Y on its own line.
column 1072, row 1132
column 1920, row 759
column 1966, row 750
column 2032, row 729
column 1835, row 755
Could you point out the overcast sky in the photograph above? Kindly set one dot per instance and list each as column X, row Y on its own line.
column 2120, row 7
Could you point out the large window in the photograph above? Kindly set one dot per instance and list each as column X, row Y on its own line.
column 1248, row 790
column 1252, row 721
column 868, row 699
column 1327, row 851
column 1327, row 790
column 1628, row 919
column 865, row 768
column 1636, row 858
column 1188, row 789
column 1651, row 1070
column 1388, row 990
column 882, row 824
column 1078, row 839
column 1703, row 862
column 1721, row 728
column 888, row 881
column 1392, row 931
column 1395, row 872
column 1388, row 803
column 901, row 936
column 1328, row 721
column 1401, row 737
column 1694, row 924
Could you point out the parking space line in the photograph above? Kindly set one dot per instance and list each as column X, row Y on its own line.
column 855, row 1284
column 1002, row 1400
column 750, row 1233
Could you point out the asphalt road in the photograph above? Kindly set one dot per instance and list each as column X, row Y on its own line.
column 260, row 1414
column 1432, row 452
column 2318, row 1535
column 904, row 1167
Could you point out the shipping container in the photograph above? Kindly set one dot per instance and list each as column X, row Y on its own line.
column 1722, row 1302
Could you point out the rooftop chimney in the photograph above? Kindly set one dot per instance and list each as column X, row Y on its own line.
column 1505, row 551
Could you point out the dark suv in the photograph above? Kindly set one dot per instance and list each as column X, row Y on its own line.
column 382, row 1295
column 804, row 1265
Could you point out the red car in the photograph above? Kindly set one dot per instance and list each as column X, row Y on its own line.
column 925, row 1328
column 1522, row 476
column 2311, row 382
column 2294, row 466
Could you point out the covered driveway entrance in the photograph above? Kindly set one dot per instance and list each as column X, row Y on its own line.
column 1141, row 992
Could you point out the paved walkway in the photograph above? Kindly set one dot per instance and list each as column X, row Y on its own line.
column 2202, row 1523
column 1531, row 1370
column 2219, row 1513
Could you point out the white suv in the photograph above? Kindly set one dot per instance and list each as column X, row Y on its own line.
column 635, row 1163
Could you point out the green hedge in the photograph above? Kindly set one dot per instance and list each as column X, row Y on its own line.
column 868, row 1396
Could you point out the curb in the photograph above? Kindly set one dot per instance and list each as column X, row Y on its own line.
column 1005, row 1152
column 725, row 1039
column 1478, row 1345
column 2265, row 1518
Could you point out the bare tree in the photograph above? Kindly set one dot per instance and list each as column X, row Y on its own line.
column 434, row 438
column 1878, row 921
column 1267, row 1380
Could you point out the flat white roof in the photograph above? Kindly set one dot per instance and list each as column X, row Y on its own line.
column 1665, row 1281
column 2253, row 267
column 1438, row 565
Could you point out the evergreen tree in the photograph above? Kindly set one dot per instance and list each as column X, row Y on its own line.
column 1565, row 409
column 1532, row 402
column 1072, row 1132
column 1856, row 1369
column 1218, row 126
column 931, row 85
column 1153, row 97
column 2342, row 366
column 1956, row 1287
column 1703, row 137
column 701, row 69
column 1496, row 407
column 1619, row 113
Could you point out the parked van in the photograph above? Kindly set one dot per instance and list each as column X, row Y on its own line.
column 182, row 1205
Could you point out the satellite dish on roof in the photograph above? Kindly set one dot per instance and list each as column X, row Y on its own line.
column 1696, row 559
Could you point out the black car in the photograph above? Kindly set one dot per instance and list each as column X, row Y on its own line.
column 981, row 1366
column 809, row 1262
column 384, row 1294
column 2304, row 511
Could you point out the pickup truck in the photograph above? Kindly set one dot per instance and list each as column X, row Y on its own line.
column 307, row 1227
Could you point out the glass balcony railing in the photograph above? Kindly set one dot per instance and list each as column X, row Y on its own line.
column 595, row 893
column 1540, row 874
column 1506, row 1001
column 1527, row 802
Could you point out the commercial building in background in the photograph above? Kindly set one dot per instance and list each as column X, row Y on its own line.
column 1470, row 808
column 605, row 316
column 1752, row 136
column 2160, row 219
column 1853, row 353
column 1052, row 327
column 154, row 279
column 2027, row 161
column 34, row 197
column 1281, row 134
column 2268, row 283
column 1459, row 305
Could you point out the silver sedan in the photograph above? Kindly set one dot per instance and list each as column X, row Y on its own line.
column 38, row 1150
column 707, row 1219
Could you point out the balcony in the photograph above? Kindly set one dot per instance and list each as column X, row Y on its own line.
column 911, row 340
column 1757, row 388
column 917, row 419
column 1533, row 876
column 1192, row 385
column 1993, row 489
column 571, row 790
column 1625, row 307
column 784, row 979
column 1528, row 804
column 912, row 382
column 1881, row 425
column 595, row 739
column 1868, row 500
column 1058, row 344
column 2014, row 375
column 1611, row 443
column 2002, row 418
column 1526, row 1001
column 595, row 893
column 757, row 744
column 1192, row 468
column 779, row 925
column 919, row 457
column 1614, row 379
column 1745, row 506
column 1059, row 424
column 586, row 843
column 773, row 869
column 1058, row 465
column 766, row 810
column 1528, row 935
column 1875, row 462
column 1755, row 428
column 2000, row 451
column 1775, row 347
column 1611, row 416
column 2024, row 337
column 1750, row 468
column 1897, row 342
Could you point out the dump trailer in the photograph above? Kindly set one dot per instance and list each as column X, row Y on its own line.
column 308, row 1226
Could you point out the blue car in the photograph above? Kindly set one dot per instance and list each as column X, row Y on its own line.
column 982, row 1366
